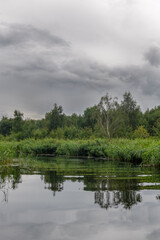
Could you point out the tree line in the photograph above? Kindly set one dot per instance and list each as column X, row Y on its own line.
column 109, row 118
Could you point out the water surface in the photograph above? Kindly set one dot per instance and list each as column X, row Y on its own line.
column 65, row 199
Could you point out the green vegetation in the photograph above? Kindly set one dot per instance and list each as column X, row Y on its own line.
column 108, row 119
column 110, row 129
column 145, row 151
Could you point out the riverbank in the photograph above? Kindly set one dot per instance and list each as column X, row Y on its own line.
column 144, row 151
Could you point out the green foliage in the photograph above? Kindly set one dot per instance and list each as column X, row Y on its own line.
column 71, row 133
column 107, row 108
column 156, row 128
column 54, row 119
column 29, row 127
column 99, row 132
column 67, row 148
column 90, row 117
column 39, row 133
column 5, row 126
column 7, row 150
column 152, row 118
column 18, row 121
column 146, row 151
column 86, row 133
column 140, row 132
column 131, row 110
column 110, row 118
column 58, row 133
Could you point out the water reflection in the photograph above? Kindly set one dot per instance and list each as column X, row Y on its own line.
column 9, row 179
column 112, row 184
column 108, row 199
column 83, row 191
column 53, row 181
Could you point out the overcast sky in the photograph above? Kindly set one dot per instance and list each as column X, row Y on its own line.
column 74, row 51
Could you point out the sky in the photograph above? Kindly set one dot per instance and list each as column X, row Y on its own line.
column 72, row 52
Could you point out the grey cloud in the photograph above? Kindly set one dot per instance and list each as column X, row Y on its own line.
column 154, row 235
column 153, row 56
column 32, row 79
column 15, row 34
column 77, row 84
column 39, row 67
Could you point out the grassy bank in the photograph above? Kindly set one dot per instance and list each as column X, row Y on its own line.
column 139, row 151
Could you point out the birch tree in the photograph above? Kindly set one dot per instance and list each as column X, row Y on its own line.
column 107, row 108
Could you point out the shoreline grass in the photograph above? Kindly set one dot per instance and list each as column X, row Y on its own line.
column 144, row 151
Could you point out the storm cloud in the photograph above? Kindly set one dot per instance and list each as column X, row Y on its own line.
column 153, row 56
column 73, row 53
column 16, row 34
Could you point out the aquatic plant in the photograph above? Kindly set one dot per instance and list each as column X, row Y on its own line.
column 146, row 151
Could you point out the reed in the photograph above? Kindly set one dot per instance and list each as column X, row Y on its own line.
column 146, row 151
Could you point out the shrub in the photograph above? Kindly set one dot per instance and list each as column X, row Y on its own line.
column 141, row 132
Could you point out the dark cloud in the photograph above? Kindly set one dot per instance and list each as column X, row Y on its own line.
column 15, row 34
column 38, row 83
column 34, row 78
column 153, row 56
column 38, row 66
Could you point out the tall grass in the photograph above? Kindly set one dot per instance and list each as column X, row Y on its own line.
column 7, row 150
column 145, row 151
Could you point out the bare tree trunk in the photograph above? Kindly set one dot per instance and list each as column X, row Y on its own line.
column 100, row 120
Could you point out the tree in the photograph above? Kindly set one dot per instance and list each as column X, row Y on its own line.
column 73, row 120
column 152, row 118
column 29, row 126
column 5, row 126
column 131, row 111
column 90, row 117
column 54, row 119
column 18, row 121
column 107, row 108
column 155, row 128
column 140, row 132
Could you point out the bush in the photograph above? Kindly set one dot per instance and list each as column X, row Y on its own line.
column 135, row 151
column 141, row 132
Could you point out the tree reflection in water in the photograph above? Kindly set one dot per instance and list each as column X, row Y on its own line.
column 108, row 192
column 108, row 199
column 113, row 185
column 53, row 181
column 111, row 192
column 9, row 179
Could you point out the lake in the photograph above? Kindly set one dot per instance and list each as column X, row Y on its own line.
column 65, row 199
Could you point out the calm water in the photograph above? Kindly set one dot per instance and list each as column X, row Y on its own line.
column 79, row 199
